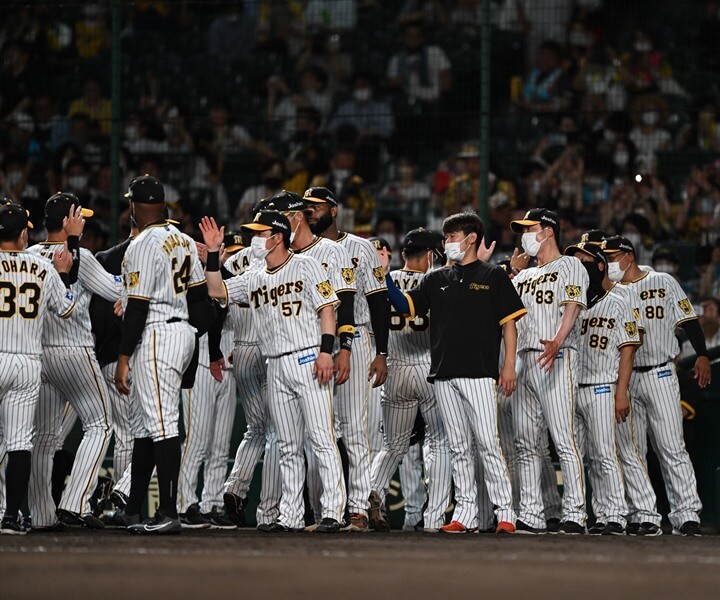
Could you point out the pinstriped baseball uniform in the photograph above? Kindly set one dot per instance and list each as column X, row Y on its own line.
column 545, row 290
column 654, row 387
column 159, row 266
column 286, row 301
column 208, row 413
column 406, row 389
column 250, row 369
column 640, row 495
column 71, row 374
column 605, row 328
column 352, row 398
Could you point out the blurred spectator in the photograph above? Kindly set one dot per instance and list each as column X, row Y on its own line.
column 546, row 20
column 91, row 34
column 76, row 179
column 232, row 137
column 231, row 36
column 464, row 188
column 21, row 128
column 335, row 15
column 93, row 105
column 709, row 317
column 500, row 214
column 51, row 128
column 150, row 165
column 467, row 15
column 710, row 278
column 665, row 260
column 622, row 155
column 280, row 26
column 273, row 175
column 370, row 117
column 137, row 135
column 705, row 133
column 699, row 218
column 636, row 229
column 428, row 13
column 707, row 35
column 18, row 81
column 15, row 184
column 323, row 50
column 390, row 228
column 649, row 113
column 94, row 236
column 406, row 191
column 306, row 152
column 639, row 69
column 547, row 88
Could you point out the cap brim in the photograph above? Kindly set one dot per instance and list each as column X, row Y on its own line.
column 256, row 227
column 517, row 226
column 86, row 212
column 234, row 248
column 572, row 250
column 316, row 200
column 613, row 251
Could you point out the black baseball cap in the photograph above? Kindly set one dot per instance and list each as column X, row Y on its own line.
column 269, row 220
column 320, row 195
column 589, row 249
column 665, row 253
column 420, row 239
column 233, row 242
column 537, row 216
column 593, row 236
column 146, row 189
column 58, row 207
column 617, row 244
column 380, row 244
column 262, row 204
column 14, row 218
column 286, row 202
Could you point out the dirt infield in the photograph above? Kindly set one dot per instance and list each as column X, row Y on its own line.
column 247, row 564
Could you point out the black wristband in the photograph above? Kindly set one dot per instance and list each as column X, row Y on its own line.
column 346, row 340
column 327, row 343
column 213, row 261
column 65, row 277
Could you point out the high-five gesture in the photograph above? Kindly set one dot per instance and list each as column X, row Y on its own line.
column 212, row 234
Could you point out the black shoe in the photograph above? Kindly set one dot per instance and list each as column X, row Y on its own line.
column 193, row 518
column 101, row 495
column 160, row 524
column 553, row 525
column 571, row 528
column 649, row 530
column 328, row 525
column 525, row 529
column 54, row 528
column 277, row 527
column 613, row 528
column 27, row 523
column 73, row 519
column 688, row 529
column 235, row 509
column 12, row 526
column 632, row 529
column 120, row 520
column 118, row 499
column 376, row 519
column 219, row 520
column 597, row 529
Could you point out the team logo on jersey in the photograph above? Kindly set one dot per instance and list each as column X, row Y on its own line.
column 325, row 289
column 631, row 329
column 132, row 279
column 348, row 275
column 573, row 291
column 685, row 306
column 379, row 274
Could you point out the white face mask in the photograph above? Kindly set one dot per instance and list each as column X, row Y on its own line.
column 530, row 243
column 643, row 47
column 293, row 231
column 615, row 273
column 362, row 94
column 258, row 247
column 650, row 117
column 666, row 267
column 452, row 249
column 77, row 182
column 621, row 159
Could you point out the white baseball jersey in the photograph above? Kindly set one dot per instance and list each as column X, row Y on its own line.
column 335, row 260
column 160, row 265
column 409, row 342
column 628, row 293
column 369, row 274
column 29, row 287
column 545, row 291
column 604, row 329
column 92, row 279
column 663, row 306
column 296, row 291
column 241, row 316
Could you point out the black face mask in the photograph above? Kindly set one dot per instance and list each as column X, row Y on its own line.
column 322, row 224
column 595, row 289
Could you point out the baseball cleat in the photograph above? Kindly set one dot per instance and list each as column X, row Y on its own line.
column 571, row 528
column 505, row 527
column 649, row 530
column 12, row 526
column 101, row 495
column 120, row 520
column 278, row 527
column 376, row 518
column 56, row 527
column 235, row 509
column 613, row 528
column 73, row 519
column 597, row 529
column 633, row 528
column 159, row 525
column 219, row 520
column 357, row 523
column 328, row 525
column 553, row 525
column 193, row 518
column 118, row 499
column 454, row 527
column 688, row 529
column 525, row 529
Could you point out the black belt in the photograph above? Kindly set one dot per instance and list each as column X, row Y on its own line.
column 591, row 385
column 294, row 352
column 174, row 320
column 647, row 369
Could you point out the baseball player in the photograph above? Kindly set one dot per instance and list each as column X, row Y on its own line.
column 553, row 293
column 466, row 375
column 643, row 516
column 161, row 270
column 71, row 374
column 654, row 386
column 609, row 337
column 29, row 288
column 406, row 390
column 371, row 312
column 293, row 303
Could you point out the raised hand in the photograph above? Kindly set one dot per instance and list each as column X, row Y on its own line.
column 212, row 234
column 484, row 253
column 519, row 261
column 62, row 259
column 74, row 223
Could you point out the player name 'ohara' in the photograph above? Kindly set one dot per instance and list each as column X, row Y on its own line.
column 17, row 265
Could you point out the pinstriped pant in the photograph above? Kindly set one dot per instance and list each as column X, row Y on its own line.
column 69, row 375
column 413, row 485
column 299, row 406
column 658, row 392
column 375, row 423
column 251, row 380
column 405, row 390
column 595, row 433
column 208, row 414
column 549, row 396
column 469, row 410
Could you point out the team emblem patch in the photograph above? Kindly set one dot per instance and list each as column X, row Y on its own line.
column 685, row 306
column 572, row 291
column 132, row 280
column 379, row 274
column 325, row 289
column 348, row 276
column 631, row 329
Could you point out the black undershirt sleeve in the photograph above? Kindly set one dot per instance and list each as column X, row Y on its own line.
column 215, row 333
column 380, row 320
column 696, row 336
column 73, row 244
column 136, row 314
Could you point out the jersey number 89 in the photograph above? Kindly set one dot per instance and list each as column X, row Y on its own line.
column 9, row 294
column 181, row 275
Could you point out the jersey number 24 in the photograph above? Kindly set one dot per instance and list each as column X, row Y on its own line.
column 181, row 274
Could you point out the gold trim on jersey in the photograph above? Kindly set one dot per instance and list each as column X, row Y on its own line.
column 573, row 302
column 334, row 303
column 276, row 269
column 517, row 313
column 341, row 236
column 551, row 262
column 139, row 298
column 227, row 297
column 157, row 385
column 632, row 343
column 411, row 271
column 371, row 292
column 70, row 311
column 192, row 285
column 643, row 276
column 315, row 242
column 681, row 321
column 689, row 408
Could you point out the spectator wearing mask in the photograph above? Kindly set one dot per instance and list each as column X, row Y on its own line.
column 665, row 260
column 639, row 69
column 92, row 104
column 18, row 81
column 699, row 219
column 15, row 183
column 51, row 128
column 406, row 191
column 370, row 117
column 622, row 155
column 649, row 113
column 547, row 88
column 76, row 179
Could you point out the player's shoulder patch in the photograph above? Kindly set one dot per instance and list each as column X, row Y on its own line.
column 379, row 274
column 132, row 280
column 573, row 291
column 685, row 306
column 631, row 329
column 325, row 289
column 348, row 275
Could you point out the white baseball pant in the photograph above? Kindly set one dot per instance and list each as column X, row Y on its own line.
column 412, row 485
